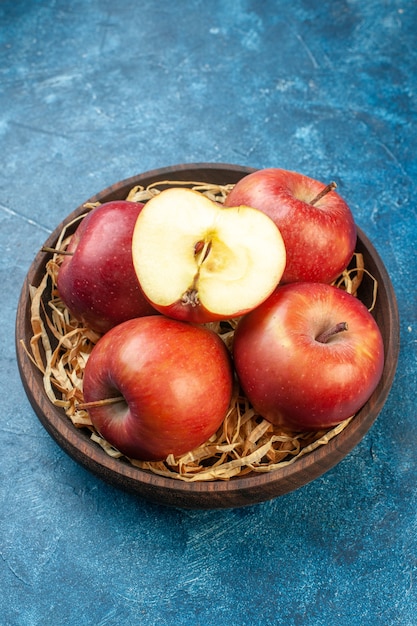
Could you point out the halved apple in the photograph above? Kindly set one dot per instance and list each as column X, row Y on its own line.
column 199, row 261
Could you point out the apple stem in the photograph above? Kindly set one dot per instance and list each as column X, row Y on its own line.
column 53, row 250
column 98, row 403
column 324, row 192
column 334, row 330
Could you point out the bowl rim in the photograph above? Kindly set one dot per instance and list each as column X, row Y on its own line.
column 237, row 491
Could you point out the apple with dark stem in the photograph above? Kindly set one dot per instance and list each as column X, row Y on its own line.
column 198, row 261
column 309, row 357
column 96, row 280
column 155, row 386
column 316, row 223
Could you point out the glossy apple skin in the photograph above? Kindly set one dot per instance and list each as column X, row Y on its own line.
column 320, row 239
column 176, row 379
column 290, row 377
column 98, row 283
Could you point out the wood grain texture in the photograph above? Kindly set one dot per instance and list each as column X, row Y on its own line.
column 217, row 494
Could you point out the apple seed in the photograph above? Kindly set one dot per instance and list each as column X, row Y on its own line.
column 201, row 251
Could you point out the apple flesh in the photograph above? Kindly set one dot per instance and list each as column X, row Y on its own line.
column 309, row 357
column 174, row 382
column 97, row 281
column 198, row 261
column 319, row 233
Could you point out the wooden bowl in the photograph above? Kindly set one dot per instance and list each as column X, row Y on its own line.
column 237, row 491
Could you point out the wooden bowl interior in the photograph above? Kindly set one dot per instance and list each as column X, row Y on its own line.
column 217, row 494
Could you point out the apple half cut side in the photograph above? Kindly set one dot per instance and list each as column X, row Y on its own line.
column 199, row 261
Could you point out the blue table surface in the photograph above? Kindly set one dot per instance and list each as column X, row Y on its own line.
column 92, row 92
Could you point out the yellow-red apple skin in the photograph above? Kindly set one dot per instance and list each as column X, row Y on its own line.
column 290, row 377
column 195, row 314
column 320, row 239
column 176, row 379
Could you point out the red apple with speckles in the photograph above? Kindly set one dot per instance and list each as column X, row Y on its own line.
column 97, row 281
column 319, row 231
column 309, row 357
column 174, row 383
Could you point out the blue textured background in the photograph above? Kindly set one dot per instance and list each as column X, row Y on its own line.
column 92, row 92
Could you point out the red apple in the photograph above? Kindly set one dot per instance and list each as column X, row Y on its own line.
column 199, row 261
column 174, row 380
column 309, row 357
column 319, row 233
column 97, row 282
